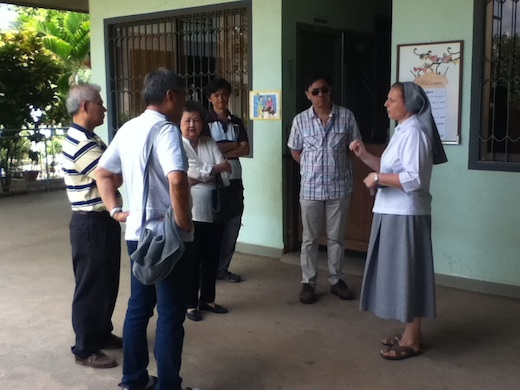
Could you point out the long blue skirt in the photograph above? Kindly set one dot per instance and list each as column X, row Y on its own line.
column 399, row 280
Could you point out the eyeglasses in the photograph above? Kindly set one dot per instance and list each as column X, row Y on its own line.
column 323, row 90
column 99, row 103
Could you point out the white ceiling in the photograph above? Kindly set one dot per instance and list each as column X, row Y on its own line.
column 75, row 5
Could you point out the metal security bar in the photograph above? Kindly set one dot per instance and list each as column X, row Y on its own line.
column 499, row 138
column 199, row 46
column 28, row 155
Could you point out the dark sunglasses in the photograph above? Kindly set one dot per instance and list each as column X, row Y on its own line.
column 323, row 90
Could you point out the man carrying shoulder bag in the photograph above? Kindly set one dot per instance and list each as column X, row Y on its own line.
column 164, row 95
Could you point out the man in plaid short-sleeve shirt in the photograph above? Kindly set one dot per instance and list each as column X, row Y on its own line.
column 319, row 142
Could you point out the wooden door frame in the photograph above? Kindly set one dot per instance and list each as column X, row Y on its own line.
column 291, row 170
column 360, row 204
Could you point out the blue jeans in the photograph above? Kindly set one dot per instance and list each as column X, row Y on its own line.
column 171, row 307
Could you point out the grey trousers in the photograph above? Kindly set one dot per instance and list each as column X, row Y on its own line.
column 316, row 214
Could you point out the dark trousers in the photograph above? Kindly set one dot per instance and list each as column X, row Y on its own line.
column 169, row 336
column 202, row 270
column 230, row 231
column 95, row 238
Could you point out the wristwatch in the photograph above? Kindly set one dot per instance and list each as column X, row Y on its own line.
column 376, row 178
column 115, row 210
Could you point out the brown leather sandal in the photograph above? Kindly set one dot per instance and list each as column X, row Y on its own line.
column 389, row 341
column 400, row 352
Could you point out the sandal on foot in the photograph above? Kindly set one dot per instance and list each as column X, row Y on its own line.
column 392, row 340
column 389, row 341
column 400, row 352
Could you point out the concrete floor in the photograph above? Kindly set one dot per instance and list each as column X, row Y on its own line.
column 268, row 341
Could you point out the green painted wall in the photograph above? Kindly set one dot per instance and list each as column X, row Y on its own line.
column 262, row 222
column 475, row 213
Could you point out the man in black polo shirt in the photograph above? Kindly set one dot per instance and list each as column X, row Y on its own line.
column 229, row 133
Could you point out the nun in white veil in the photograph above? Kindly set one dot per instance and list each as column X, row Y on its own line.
column 399, row 279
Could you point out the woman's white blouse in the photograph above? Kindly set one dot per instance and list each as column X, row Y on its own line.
column 409, row 153
column 201, row 162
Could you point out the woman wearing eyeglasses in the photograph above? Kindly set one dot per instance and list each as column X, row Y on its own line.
column 399, row 278
column 205, row 161
column 319, row 142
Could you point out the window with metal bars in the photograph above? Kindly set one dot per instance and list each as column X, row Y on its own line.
column 495, row 143
column 201, row 46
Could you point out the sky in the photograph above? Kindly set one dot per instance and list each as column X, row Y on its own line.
column 7, row 15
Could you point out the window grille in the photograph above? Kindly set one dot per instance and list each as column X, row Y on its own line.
column 499, row 86
column 199, row 46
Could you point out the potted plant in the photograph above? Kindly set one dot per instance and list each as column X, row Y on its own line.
column 13, row 149
column 32, row 174
column 54, row 148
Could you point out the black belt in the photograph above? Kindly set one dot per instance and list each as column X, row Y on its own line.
column 103, row 213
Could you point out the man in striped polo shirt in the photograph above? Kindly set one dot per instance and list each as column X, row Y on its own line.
column 95, row 237
column 319, row 142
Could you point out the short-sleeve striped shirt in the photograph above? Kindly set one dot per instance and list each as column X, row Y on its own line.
column 325, row 166
column 81, row 152
column 232, row 130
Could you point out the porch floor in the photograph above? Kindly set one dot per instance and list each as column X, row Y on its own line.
column 268, row 341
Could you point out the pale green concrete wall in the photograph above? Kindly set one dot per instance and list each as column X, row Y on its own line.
column 475, row 213
column 263, row 222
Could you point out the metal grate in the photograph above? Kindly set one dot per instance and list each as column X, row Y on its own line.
column 499, row 138
column 198, row 46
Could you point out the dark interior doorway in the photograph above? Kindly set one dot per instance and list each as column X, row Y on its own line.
column 359, row 67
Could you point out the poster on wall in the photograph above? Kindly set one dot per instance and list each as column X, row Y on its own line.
column 437, row 67
column 265, row 105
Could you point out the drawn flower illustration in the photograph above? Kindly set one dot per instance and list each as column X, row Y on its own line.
column 433, row 63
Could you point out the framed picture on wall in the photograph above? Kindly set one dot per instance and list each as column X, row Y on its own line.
column 437, row 67
column 265, row 105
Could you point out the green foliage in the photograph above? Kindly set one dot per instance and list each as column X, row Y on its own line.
column 34, row 156
column 13, row 150
column 37, row 64
column 28, row 80
column 67, row 35
column 506, row 72
column 54, row 147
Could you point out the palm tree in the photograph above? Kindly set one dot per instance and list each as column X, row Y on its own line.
column 69, row 38
column 67, row 35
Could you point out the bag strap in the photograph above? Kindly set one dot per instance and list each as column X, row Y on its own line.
column 219, row 183
column 148, row 146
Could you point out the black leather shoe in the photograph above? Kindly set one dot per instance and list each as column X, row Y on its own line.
column 152, row 381
column 194, row 315
column 114, row 342
column 229, row 277
column 341, row 290
column 307, row 294
column 217, row 309
column 97, row 360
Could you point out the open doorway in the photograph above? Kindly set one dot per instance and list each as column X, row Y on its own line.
column 358, row 64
